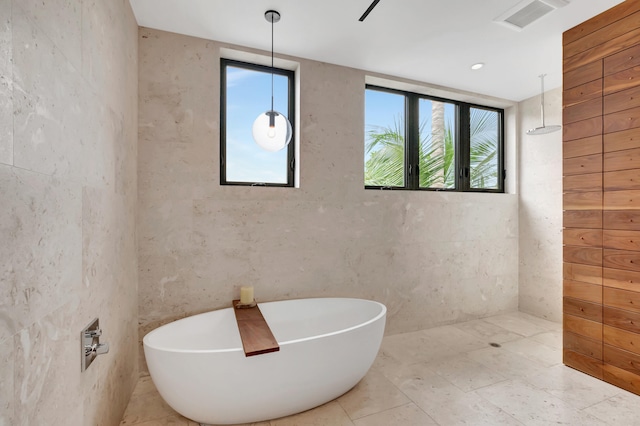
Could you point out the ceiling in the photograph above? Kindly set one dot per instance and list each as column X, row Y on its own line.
column 433, row 41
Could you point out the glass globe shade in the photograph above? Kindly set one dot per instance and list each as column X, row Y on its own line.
column 272, row 131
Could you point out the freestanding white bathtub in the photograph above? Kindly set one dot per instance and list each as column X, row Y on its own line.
column 326, row 346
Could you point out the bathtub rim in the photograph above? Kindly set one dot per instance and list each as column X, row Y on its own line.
column 382, row 313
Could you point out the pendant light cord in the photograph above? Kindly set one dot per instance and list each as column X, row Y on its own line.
column 272, row 19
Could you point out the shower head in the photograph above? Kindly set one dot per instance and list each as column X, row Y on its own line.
column 543, row 130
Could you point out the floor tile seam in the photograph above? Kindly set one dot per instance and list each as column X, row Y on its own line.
column 411, row 402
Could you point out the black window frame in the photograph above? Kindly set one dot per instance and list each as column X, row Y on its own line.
column 462, row 144
column 291, row 148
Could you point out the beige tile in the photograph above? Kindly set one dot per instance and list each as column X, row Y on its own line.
column 465, row 373
column 519, row 323
column 533, row 406
column 487, row 331
column 535, row 351
column 146, row 407
column 330, row 413
column 7, row 406
column 447, row 404
column 508, row 364
column 61, row 21
column 622, row 409
column 406, row 415
column 374, row 393
column 41, row 219
column 550, row 338
column 6, row 84
column 578, row 389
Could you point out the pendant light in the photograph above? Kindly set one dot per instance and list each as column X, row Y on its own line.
column 543, row 130
column 271, row 130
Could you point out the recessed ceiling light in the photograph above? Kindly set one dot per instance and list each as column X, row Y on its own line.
column 477, row 66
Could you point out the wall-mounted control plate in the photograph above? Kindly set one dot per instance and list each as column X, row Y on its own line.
column 90, row 343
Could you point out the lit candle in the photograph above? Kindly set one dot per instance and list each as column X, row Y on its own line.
column 246, row 295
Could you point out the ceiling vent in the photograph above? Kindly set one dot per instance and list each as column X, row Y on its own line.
column 527, row 12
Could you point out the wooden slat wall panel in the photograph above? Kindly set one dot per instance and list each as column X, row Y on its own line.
column 621, row 80
column 583, row 345
column 608, row 17
column 582, row 165
column 622, row 180
column 616, row 102
column 620, row 318
column 582, row 75
column 582, row 255
column 583, row 273
column 620, row 278
column 582, row 218
column 581, row 147
column 627, row 139
column 622, row 240
column 621, row 219
column 582, row 309
column 603, row 35
column 621, row 61
column 601, row 277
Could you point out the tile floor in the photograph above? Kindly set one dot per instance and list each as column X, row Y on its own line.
column 450, row 375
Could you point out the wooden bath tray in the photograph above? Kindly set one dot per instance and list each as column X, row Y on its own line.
column 254, row 331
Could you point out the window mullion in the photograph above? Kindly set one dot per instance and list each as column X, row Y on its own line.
column 412, row 142
column 463, row 147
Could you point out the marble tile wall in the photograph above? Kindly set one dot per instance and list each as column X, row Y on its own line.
column 68, row 158
column 540, row 209
column 432, row 258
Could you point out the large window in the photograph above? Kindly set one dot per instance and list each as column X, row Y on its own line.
column 417, row 142
column 245, row 93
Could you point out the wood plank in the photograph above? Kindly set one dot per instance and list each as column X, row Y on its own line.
column 621, row 80
column 623, row 120
column 621, row 239
column 621, row 259
column 626, row 59
column 584, row 74
column 582, row 200
column 582, row 309
column 622, row 180
column 582, row 326
column 582, row 129
column 582, row 218
column 605, row 49
column 618, row 141
column 581, row 147
column 582, row 237
column 582, row 111
column 621, row 299
column 256, row 335
column 619, row 318
column 602, row 20
column 622, row 359
column 582, row 165
column 582, row 291
column 621, row 378
column 591, row 182
column 621, row 219
column 598, row 37
column 582, row 255
column 621, row 160
column 583, row 363
column 622, row 200
column 621, row 339
column 579, row 95
column 626, row 99
column 619, row 278
column 582, row 273
column 582, row 345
